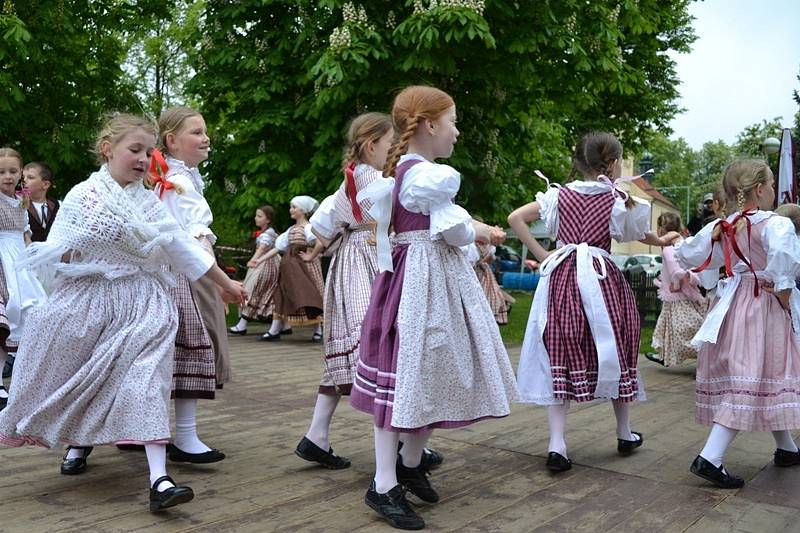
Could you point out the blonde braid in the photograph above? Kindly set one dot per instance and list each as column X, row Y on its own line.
column 351, row 154
column 400, row 146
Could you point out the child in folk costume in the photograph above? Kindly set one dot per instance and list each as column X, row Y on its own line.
column 683, row 307
column 499, row 300
column 747, row 377
column 202, row 362
column 107, row 379
column 582, row 339
column 19, row 291
column 431, row 355
column 298, row 299
column 262, row 278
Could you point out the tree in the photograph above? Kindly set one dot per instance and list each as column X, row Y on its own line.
column 279, row 81
column 60, row 70
column 750, row 140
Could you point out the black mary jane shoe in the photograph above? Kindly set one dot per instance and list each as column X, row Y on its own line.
column 784, row 458
column 269, row 337
column 316, row 337
column 394, row 508
column 430, row 458
column 557, row 462
column 73, row 467
column 287, row 331
column 311, row 452
column 715, row 474
column 176, row 455
column 654, row 358
column 160, row 500
column 415, row 480
column 626, row 447
column 234, row 331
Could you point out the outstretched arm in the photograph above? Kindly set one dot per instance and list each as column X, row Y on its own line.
column 519, row 221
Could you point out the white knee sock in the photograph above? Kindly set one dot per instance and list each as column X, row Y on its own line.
column 718, row 441
column 186, row 438
column 557, row 420
column 242, row 324
column 276, row 327
column 157, row 462
column 320, row 427
column 621, row 412
column 385, row 460
column 413, row 444
column 784, row 440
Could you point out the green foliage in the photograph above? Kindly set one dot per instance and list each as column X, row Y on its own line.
column 279, row 81
column 749, row 141
column 60, row 71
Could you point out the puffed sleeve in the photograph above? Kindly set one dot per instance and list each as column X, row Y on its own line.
column 693, row 252
column 548, row 209
column 282, row 242
column 429, row 189
column 310, row 237
column 323, row 220
column 629, row 224
column 783, row 252
column 267, row 238
column 188, row 257
column 189, row 208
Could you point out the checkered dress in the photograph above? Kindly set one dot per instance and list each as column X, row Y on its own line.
column 194, row 375
column 11, row 219
column 499, row 300
column 567, row 337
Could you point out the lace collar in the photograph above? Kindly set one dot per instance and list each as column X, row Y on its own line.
column 176, row 166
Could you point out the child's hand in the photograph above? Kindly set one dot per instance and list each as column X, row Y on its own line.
column 496, row 235
column 782, row 296
column 233, row 293
column 307, row 256
column 670, row 237
column 252, row 263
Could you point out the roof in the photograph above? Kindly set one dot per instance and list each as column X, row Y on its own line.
column 645, row 186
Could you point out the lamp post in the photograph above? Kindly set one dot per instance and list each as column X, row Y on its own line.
column 770, row 145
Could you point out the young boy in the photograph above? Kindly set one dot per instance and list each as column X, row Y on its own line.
column 38, row 178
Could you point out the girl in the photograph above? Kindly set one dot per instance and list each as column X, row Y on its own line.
column 262, row 278
column 107, row 379
column 19, row 291
column 201, row 344
column 499, row 300
column 748, row 357
column 683, row 308
column 298, row 298
column 585, row 344
column 431, row 355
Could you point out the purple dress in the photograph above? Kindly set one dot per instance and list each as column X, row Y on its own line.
column 431, row 355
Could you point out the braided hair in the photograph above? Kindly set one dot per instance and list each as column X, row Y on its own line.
column 739, row 181
column 411, row 106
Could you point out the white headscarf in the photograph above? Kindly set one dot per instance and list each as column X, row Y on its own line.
column 306, row 203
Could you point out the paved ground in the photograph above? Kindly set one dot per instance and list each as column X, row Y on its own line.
column 493, row 478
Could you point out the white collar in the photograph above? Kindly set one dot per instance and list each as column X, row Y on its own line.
column 755, row 218
column 410, row 156
column 13, row 201
column 176, row 166
column 589, row 187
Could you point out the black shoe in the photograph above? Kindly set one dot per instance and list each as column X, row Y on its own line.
column 8, row 368
column 233, row 331
column 168, row 497
column 415, row 480
column 177, row 455
column 316, row 337
column 73, row 467
column 3, row 400
column 654, row 358
column 269, row 337
column 131, row 447
column 431, row 458
column 311, row 452
column 557, row 462
column 394, row 508
column 287, row 331
column 786, row 458
column 626, row 447
column 716, row 475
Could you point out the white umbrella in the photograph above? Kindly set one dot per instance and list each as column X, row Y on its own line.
column 786, row 185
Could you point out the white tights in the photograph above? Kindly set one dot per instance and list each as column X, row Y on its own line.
column 557, row 420
column 319, row 430
column 186, row 438
column 721, row 437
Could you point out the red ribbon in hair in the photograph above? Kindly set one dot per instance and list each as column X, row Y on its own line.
column 350, row 187
column 257, row 233
column 158, row 172
column 727, row 238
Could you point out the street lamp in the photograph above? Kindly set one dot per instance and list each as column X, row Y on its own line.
column 770, row 145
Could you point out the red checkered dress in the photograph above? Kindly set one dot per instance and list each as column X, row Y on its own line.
column 567, row 337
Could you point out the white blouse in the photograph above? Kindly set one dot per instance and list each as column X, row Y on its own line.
column 267, row 238
column 324, row 218
column 429, row 188
column 626, row 224
column 186, row 202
